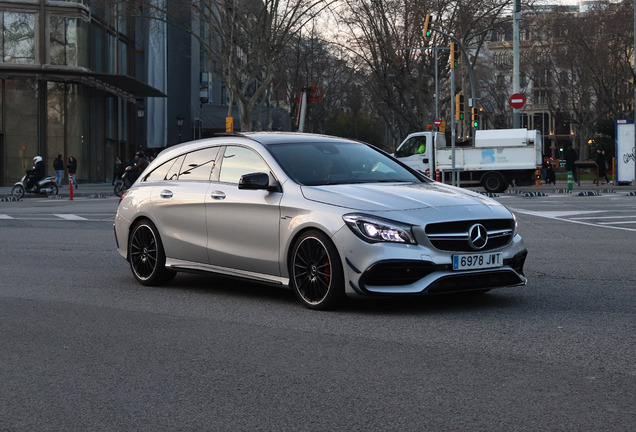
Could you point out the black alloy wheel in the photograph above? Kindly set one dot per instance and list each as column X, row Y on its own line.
column 317, row 277
column 146, row 255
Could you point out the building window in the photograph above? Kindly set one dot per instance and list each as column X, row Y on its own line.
column 543, row 78
column 541, row 97
column 64, row 41
column 18, row 37
column 501, row 81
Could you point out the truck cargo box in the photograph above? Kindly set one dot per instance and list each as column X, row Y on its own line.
column 504, row 137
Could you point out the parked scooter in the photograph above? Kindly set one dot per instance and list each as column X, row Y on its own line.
column 122, row 184
column 45, row 186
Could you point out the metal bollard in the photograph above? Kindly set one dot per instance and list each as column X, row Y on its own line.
column 569, row 180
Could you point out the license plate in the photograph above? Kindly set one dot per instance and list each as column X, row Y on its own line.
column 477, row 261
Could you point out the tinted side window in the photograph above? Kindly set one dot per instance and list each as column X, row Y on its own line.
column 173, row 172
column 161, row 172
column 198, row 164
column 238, row 161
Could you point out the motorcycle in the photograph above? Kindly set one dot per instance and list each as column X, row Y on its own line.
column 45, row 186
column 122, row 184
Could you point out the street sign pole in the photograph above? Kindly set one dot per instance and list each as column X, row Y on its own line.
column 516, row 87
column 452, row 115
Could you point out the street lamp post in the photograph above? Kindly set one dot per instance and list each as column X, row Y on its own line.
column 141, row 112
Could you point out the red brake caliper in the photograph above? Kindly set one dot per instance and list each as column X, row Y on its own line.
column 327, row 269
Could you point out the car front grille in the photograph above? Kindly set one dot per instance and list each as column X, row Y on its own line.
column 454, row 236
column 402, row 273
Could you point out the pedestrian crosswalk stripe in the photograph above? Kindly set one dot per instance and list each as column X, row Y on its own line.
column 567, row 216
column 70, row 217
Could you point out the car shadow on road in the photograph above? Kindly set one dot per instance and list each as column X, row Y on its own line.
column 439, row 304
column 444, row 304
column 227, row 286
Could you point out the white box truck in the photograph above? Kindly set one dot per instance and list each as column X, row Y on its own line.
column 498, row 158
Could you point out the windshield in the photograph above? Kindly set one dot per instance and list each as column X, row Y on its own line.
column 323, row 163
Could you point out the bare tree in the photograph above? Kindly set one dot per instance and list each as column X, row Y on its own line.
column 589, row 61
column 243, row 39
column 387, row 36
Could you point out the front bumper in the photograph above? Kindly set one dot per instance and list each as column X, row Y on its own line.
column 392, row 269
column 425, row 277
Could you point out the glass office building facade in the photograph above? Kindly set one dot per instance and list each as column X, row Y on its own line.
column 68, row 86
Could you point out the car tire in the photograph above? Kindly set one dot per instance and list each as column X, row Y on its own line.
column 493, row 182
column 317, row 278
column 146, row 255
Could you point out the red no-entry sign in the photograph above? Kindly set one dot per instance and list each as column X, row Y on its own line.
column 437, row 122
column 517, row 100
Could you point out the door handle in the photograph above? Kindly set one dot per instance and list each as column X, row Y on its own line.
column 166, row 194
column 217, row 195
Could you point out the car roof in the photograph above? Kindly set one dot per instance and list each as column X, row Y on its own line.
column 267, row 138
column 263, row 138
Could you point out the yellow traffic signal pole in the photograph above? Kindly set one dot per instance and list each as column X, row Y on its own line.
column 453, row 127
column 472, row 99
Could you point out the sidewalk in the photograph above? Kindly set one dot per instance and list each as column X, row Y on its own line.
column 106, row 189
column 84, row 190
column 586, row 185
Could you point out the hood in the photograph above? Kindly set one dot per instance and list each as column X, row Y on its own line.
column 375, row 197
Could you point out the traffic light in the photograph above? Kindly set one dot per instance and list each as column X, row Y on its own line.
column 459, row 107
column 474, row 116
column 426, row 31
column 454, row 55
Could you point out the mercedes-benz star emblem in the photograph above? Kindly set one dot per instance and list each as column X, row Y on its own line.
column 477, row 236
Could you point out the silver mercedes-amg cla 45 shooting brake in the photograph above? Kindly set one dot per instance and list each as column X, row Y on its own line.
column 330, row 218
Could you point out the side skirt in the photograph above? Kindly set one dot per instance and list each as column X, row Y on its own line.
column 191, row 267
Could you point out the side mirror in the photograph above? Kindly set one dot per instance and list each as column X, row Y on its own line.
column 254, row 181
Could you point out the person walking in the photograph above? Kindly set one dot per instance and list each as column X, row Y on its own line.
column 571, row 156
column 602, row 166
column 58, row 166
column 71, row 166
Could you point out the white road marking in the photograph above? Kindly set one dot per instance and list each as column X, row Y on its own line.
column 563, row 216
column 5, row 216
column 602, row 217
column 70, row 217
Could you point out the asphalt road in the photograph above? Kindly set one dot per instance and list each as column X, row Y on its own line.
column 84, row 347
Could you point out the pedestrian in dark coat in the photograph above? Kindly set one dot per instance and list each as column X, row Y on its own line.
column 58, row 166
column 570, row 158
column 602, row 165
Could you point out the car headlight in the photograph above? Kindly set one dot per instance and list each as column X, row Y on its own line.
column 375, row 230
